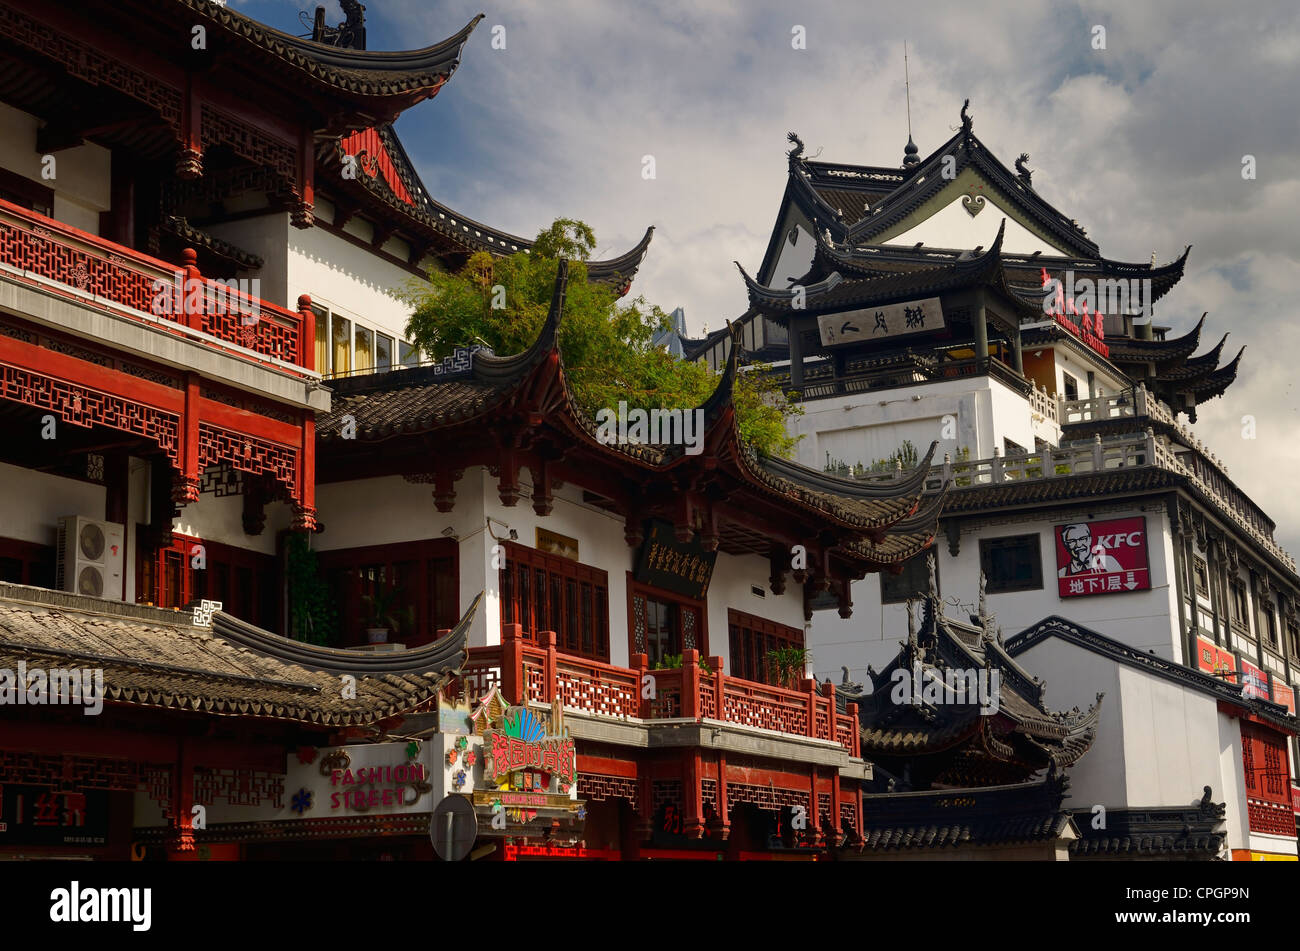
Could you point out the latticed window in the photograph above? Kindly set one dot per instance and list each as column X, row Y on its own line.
column 542, row 592
column 752, row 638
column 663, row 626
column 1268, row 787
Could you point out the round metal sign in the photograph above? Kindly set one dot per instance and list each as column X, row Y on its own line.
column 453, row 828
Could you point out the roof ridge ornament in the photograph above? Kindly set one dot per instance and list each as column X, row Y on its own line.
column 1025, row 174
column 967, row 124
column 795, row 155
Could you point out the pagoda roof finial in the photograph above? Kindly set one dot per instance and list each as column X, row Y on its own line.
column 966, row 122
column 910, row 156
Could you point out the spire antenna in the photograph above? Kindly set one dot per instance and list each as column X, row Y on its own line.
column 907, row 92
column 910, row 156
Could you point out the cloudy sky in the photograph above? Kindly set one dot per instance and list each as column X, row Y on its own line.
column 1142, row 143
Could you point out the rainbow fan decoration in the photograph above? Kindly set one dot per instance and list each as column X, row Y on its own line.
column 523, row 726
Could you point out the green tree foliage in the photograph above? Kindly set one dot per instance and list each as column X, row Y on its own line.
column 608, row 356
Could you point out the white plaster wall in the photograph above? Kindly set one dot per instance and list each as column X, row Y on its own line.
column 953, row 227
column 1170, row 741
column 1074, row 678
column 864, row 427
column 82, row 175
column 1158, row 743
column 347, row 279
column 389, row 510
column 1146, row 620
column 32, row 503
column 265, row 235
column 793, row 261
column 1232, row 782
column 221, row 520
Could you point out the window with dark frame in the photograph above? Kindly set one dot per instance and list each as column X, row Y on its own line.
column 1202, row 572
column 913, row 582
column 751, row 638
column 1012, row 563
column 544, row 592
column 424, row 574
column 665, row 624
column 1071, row 386
column 245, row 582
column 1240, row 605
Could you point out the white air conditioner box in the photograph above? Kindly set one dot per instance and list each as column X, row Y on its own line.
column 91, row 555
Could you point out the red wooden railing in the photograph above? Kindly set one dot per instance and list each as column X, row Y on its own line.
column 129, row 283
column 534, row 671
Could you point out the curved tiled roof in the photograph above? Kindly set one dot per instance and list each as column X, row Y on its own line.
column 837, row 291
column 955, row 817
column 156, row 658
column 421, row 211
column 409, row 75
column 414, row 401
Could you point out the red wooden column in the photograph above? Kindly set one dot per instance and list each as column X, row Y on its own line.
column 641, row 664
column 549, row 683
column 724, row 822
column 192, row 284
column 181, row 835
column 691, row 684
column 189, row 161
column 307, row 333
column 305, row 509
column 185, row 487
column 513, row 682
column 715, row 664
column 692, row 794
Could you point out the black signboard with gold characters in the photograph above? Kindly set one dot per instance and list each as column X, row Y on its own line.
column 666, row 563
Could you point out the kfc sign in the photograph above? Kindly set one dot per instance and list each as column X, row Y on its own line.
column 1102, row 557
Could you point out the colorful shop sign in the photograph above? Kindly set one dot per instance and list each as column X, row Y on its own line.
column 1216, row 660
column 368, row 778
column 1283, row 694
column 1106, row 557
column 525, row 784
column 1254, row 682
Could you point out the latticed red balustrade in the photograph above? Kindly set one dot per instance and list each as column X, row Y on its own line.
column 532, row 670
column 118, row 279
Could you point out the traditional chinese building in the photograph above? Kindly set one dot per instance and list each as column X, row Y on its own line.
column 948, row 300
column 642, row 586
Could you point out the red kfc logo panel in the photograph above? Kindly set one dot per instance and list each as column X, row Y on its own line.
column 1108, row 557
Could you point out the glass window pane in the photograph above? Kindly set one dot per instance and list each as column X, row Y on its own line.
column 364, row 355
column 383, row 353
column 342, row 344
column 322, row 339
column 407, row 355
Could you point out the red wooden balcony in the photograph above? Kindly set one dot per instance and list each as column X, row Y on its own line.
column 43, row 252
column 536, row 672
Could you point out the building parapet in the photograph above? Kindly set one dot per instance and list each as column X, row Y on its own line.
column 35, row 248
column 533, row 671
column 1085, row 458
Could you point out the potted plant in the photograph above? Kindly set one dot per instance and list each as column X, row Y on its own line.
column 787, row 665
column 382, row 617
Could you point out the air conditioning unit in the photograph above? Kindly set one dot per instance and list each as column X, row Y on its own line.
column 91, row 555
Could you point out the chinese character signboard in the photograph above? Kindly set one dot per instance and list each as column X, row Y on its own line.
column 37, row 815
column 1107, row 557
column 666, row 563
column 881, row 323
column 1216, row 660
column 1254, row 682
